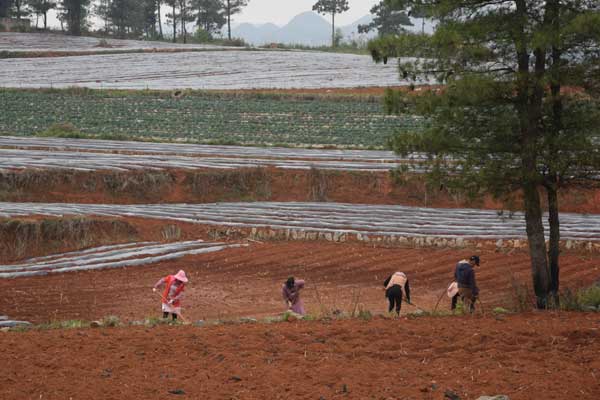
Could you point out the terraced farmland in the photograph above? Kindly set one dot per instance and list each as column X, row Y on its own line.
column 219, row 70
column 328, row 218
column 205, row 117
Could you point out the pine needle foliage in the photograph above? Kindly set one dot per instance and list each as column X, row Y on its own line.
column 516, row 109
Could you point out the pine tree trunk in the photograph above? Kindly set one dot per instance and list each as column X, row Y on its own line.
column 75, row 19
column 537, row 243
column 333, row 29
column 45, row 20
column 160, row 31
column 530, row 92
column 553, row 21
column 174, row 24
column 183, row 27
column 228, row 20
column 554, row 241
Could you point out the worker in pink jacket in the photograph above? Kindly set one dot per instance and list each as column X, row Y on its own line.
column 172, row 294
column 291, row 295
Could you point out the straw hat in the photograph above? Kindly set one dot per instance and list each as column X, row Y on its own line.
column 180, row 276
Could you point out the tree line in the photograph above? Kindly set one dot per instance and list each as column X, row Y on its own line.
column 131, row 18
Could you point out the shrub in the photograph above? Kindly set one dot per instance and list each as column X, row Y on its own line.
column 590, row 297
column 111, row 321
column 587, row 299
column 365, row 315
column 236, row 42
column 202, row 36
column 62, row 130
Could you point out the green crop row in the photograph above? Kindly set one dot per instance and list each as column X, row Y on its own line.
column 204, row 117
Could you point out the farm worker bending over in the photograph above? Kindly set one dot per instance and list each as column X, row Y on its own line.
column 291, row 295
column 395, row 285
column 464, row 276
column 172, row 294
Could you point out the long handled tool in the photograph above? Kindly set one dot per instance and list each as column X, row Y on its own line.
column 179, row 315
column 440, row 299
column 413, row 304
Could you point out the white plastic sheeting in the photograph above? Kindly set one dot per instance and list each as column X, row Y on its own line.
column 208, row 70
column 29, row 42
column 338, row 218
column 116, row 256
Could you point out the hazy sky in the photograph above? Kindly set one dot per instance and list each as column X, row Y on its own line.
column 281, row 11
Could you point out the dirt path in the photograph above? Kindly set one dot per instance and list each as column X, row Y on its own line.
column 528, row 356
column 247, row 282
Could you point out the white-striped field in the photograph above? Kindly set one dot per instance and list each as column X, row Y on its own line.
column 115, row 256
column 334, row 218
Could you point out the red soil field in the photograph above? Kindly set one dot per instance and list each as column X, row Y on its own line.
column 528, row 356
column 247, row 282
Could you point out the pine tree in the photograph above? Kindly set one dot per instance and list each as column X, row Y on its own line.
column 74, row 13
column 210, row 15
column 386, row 20
column 232, row 7
column 518, row 113
column 332, row 7
column 41, row 7
column 5, row 8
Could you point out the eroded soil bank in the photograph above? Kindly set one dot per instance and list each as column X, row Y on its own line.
column 249, row 184
column 529, row 356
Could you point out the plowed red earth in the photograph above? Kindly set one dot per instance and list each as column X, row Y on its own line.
column 527, row 356
column 247, row 282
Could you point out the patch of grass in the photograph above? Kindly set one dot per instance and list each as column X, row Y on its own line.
column 365, row 315
column 154, row 321
column 62, row 130
column 590, row 296
column 587, row 299
column 111, row 321
column 69, row 324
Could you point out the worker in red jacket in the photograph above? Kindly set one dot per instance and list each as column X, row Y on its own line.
column 172, row 294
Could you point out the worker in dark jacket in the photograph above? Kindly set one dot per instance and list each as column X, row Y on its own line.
column 464, row 275
column 395, row 285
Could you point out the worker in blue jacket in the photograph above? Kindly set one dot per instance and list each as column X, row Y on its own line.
column 464, row 275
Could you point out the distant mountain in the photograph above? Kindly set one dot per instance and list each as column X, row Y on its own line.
column 351, row 31
column 310, row 29
column 255, row 34
column 307, row 28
